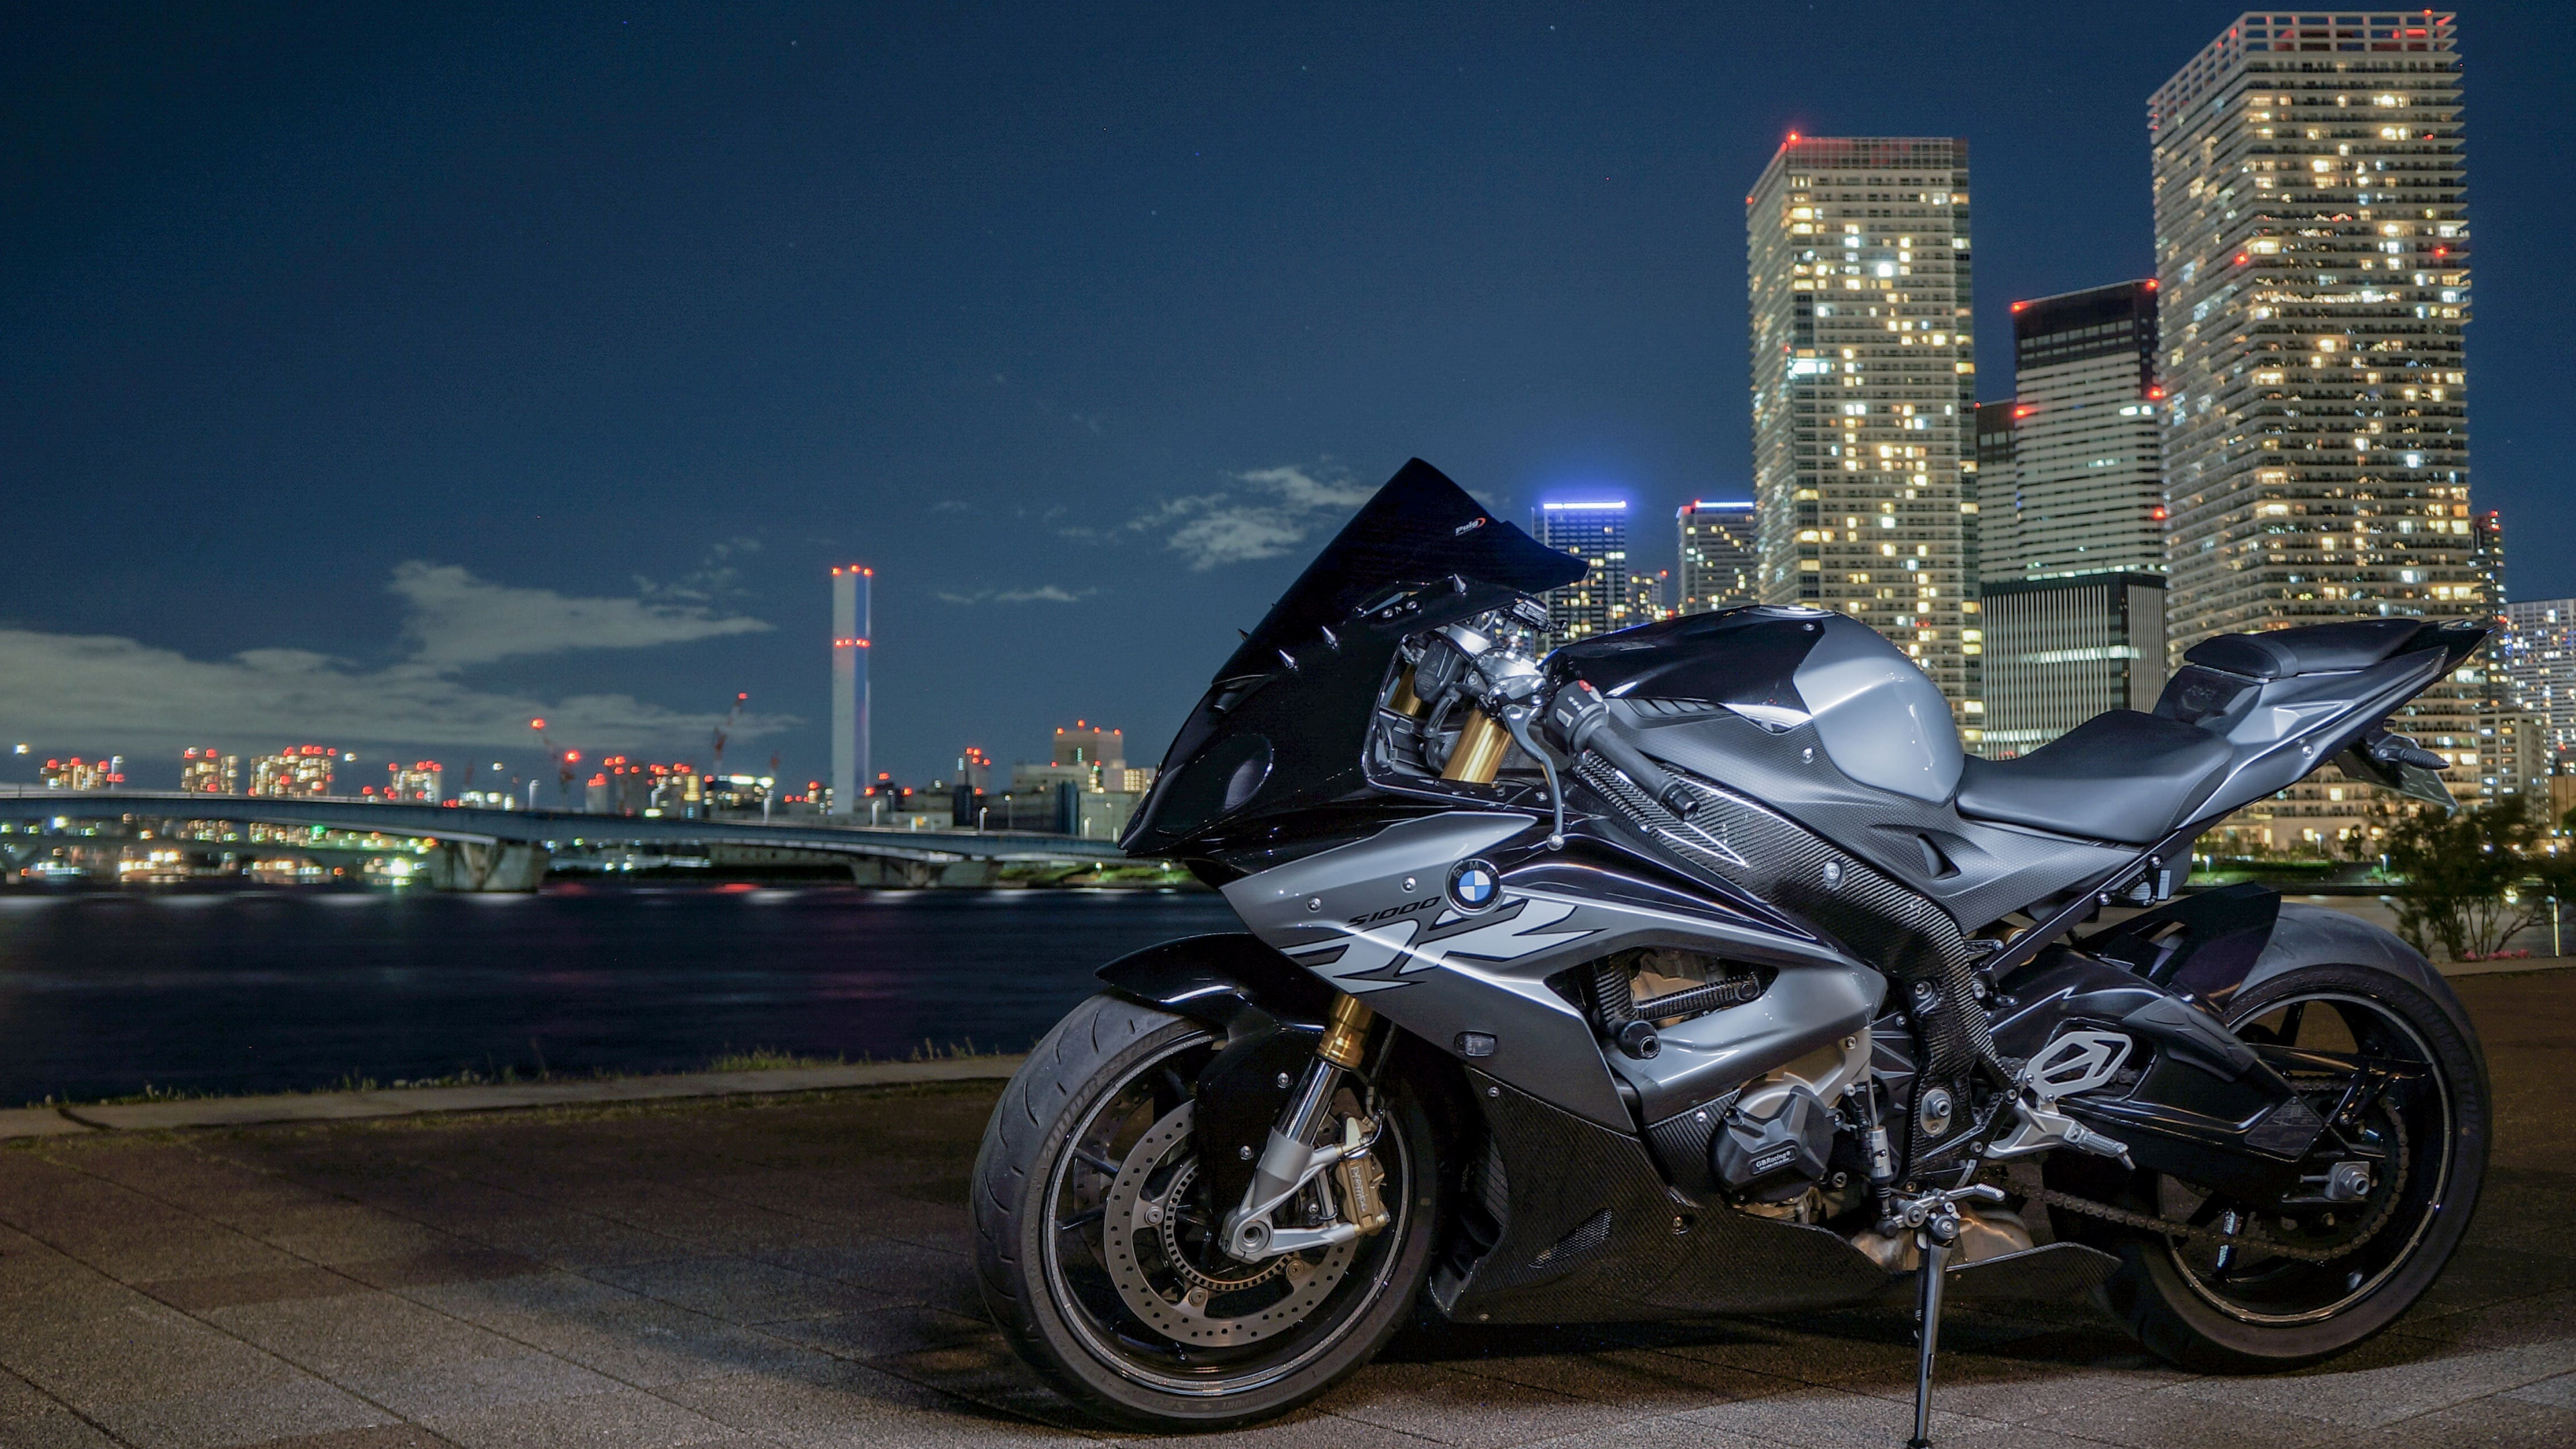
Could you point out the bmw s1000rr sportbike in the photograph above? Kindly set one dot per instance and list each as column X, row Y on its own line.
column 1690, row 969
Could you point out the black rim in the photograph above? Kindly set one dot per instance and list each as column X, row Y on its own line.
column 1081, row 1243
column 2367, row 1071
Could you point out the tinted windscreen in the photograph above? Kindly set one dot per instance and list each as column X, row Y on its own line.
column 1284, row 727
column 1420, row 527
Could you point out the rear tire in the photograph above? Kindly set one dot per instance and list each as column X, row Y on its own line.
column 1042, row 1266
column 2212, row 1314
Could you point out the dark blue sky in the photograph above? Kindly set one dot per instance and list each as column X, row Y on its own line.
column 401, row 351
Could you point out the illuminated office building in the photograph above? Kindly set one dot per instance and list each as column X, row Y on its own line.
column 1596, row 533
column 626, row 786
column 1090, row 744
column 2536, row 654
column 295, row 770
column 205, row 772
column 1864, row 387
column 2084, row 491
column 1651, row 596
column 1721, row 555
column 415, row 783
column 2059, row 651
column 104, row 773
column 2312, row 256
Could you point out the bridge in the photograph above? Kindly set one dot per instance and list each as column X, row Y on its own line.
column 484, row 849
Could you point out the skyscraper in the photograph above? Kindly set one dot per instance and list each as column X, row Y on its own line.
column 2062, row 650
column 2312, row 247
column 1596, row 533
column 2085, row 488
column 2537, row 657
column 1721, row 555
column 851, row 586
column 1864, row 382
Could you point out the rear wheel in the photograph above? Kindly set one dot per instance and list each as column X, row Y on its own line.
column 1097, row 1242
column 2403, row 1088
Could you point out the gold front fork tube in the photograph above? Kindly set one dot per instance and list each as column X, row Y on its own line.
column 1478, row 756
column 1404, row 701
column 1346, row 1036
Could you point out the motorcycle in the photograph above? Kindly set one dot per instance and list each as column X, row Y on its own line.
column 1692, row 969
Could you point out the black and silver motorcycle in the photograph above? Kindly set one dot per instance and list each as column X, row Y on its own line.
column 1691, row 970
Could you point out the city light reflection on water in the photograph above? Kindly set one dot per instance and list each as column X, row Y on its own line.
column 267, row 990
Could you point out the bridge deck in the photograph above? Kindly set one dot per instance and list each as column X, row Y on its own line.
column 550, row 828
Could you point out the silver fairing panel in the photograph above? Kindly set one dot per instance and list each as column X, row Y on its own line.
column 1377, row 919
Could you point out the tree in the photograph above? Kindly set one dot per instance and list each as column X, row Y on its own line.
column 2461, row 872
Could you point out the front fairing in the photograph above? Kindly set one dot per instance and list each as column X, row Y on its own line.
column 1285, row 726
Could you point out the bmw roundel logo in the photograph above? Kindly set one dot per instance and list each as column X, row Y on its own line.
column 1474, row 885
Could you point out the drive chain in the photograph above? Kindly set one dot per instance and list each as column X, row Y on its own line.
column 2247, row 1236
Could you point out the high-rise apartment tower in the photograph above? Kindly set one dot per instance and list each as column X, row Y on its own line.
column 2312, row 251
column 2085, row 489
column 1864, row 390
column 851, row 606
column 1721, row 555
column 1596, row 533
column 2537, row 656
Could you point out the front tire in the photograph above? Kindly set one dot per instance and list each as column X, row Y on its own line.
column 2232, row 1310
column 1154, row 1329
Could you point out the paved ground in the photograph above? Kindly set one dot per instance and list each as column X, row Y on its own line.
column 793, row 1271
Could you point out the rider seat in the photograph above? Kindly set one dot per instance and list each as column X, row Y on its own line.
column 2121, row 776
column 2316, row 649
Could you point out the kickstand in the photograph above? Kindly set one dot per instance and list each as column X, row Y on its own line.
column 1927, row 1331
column 1934, row 1217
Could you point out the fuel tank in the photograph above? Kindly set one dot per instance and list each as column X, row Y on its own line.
column 1877, row 717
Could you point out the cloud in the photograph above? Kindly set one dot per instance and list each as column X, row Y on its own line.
column 713, row 576
column 103, row 691
column 458, row 620
column 1274, row 511
column 1043, row 594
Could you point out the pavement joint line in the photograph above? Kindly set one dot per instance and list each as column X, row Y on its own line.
column 416, row 1101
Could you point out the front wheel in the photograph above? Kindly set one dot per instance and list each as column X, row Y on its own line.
column 1097, row 1245
column 2400, row 1080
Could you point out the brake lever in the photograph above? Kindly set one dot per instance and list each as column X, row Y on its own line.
column 1516, row 719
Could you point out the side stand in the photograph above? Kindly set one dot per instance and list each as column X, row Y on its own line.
column 1927, row 1309
column 1934, row 1216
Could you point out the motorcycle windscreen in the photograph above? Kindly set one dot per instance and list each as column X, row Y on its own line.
column 1419, row 528
column 1286, row 720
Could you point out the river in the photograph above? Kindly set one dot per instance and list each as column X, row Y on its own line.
column 113, row 992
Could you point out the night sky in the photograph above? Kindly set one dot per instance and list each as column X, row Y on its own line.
column 381, row 377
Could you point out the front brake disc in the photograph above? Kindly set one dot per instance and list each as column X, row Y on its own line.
column 1218, row 1301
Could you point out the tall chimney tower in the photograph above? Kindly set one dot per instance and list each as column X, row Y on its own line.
column 850, row 608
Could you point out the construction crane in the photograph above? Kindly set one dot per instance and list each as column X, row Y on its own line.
column 726, row 729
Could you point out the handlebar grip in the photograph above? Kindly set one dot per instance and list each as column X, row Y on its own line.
column 1577, row 718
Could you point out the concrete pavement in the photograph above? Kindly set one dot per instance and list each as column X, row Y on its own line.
column 793, row 1270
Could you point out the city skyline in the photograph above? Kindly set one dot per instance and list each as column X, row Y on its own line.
column 649, row 477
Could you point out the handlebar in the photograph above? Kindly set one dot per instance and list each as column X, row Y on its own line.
column 1576, row 718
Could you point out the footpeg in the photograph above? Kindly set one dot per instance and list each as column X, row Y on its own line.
column 2077, row 1061
column 2039, row 1128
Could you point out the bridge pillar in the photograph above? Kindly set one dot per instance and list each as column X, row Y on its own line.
column 466, row 865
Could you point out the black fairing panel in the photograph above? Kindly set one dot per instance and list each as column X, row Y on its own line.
column 1285, row 725
column 1593, row 1233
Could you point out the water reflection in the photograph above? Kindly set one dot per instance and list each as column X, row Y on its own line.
column 274, row 989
